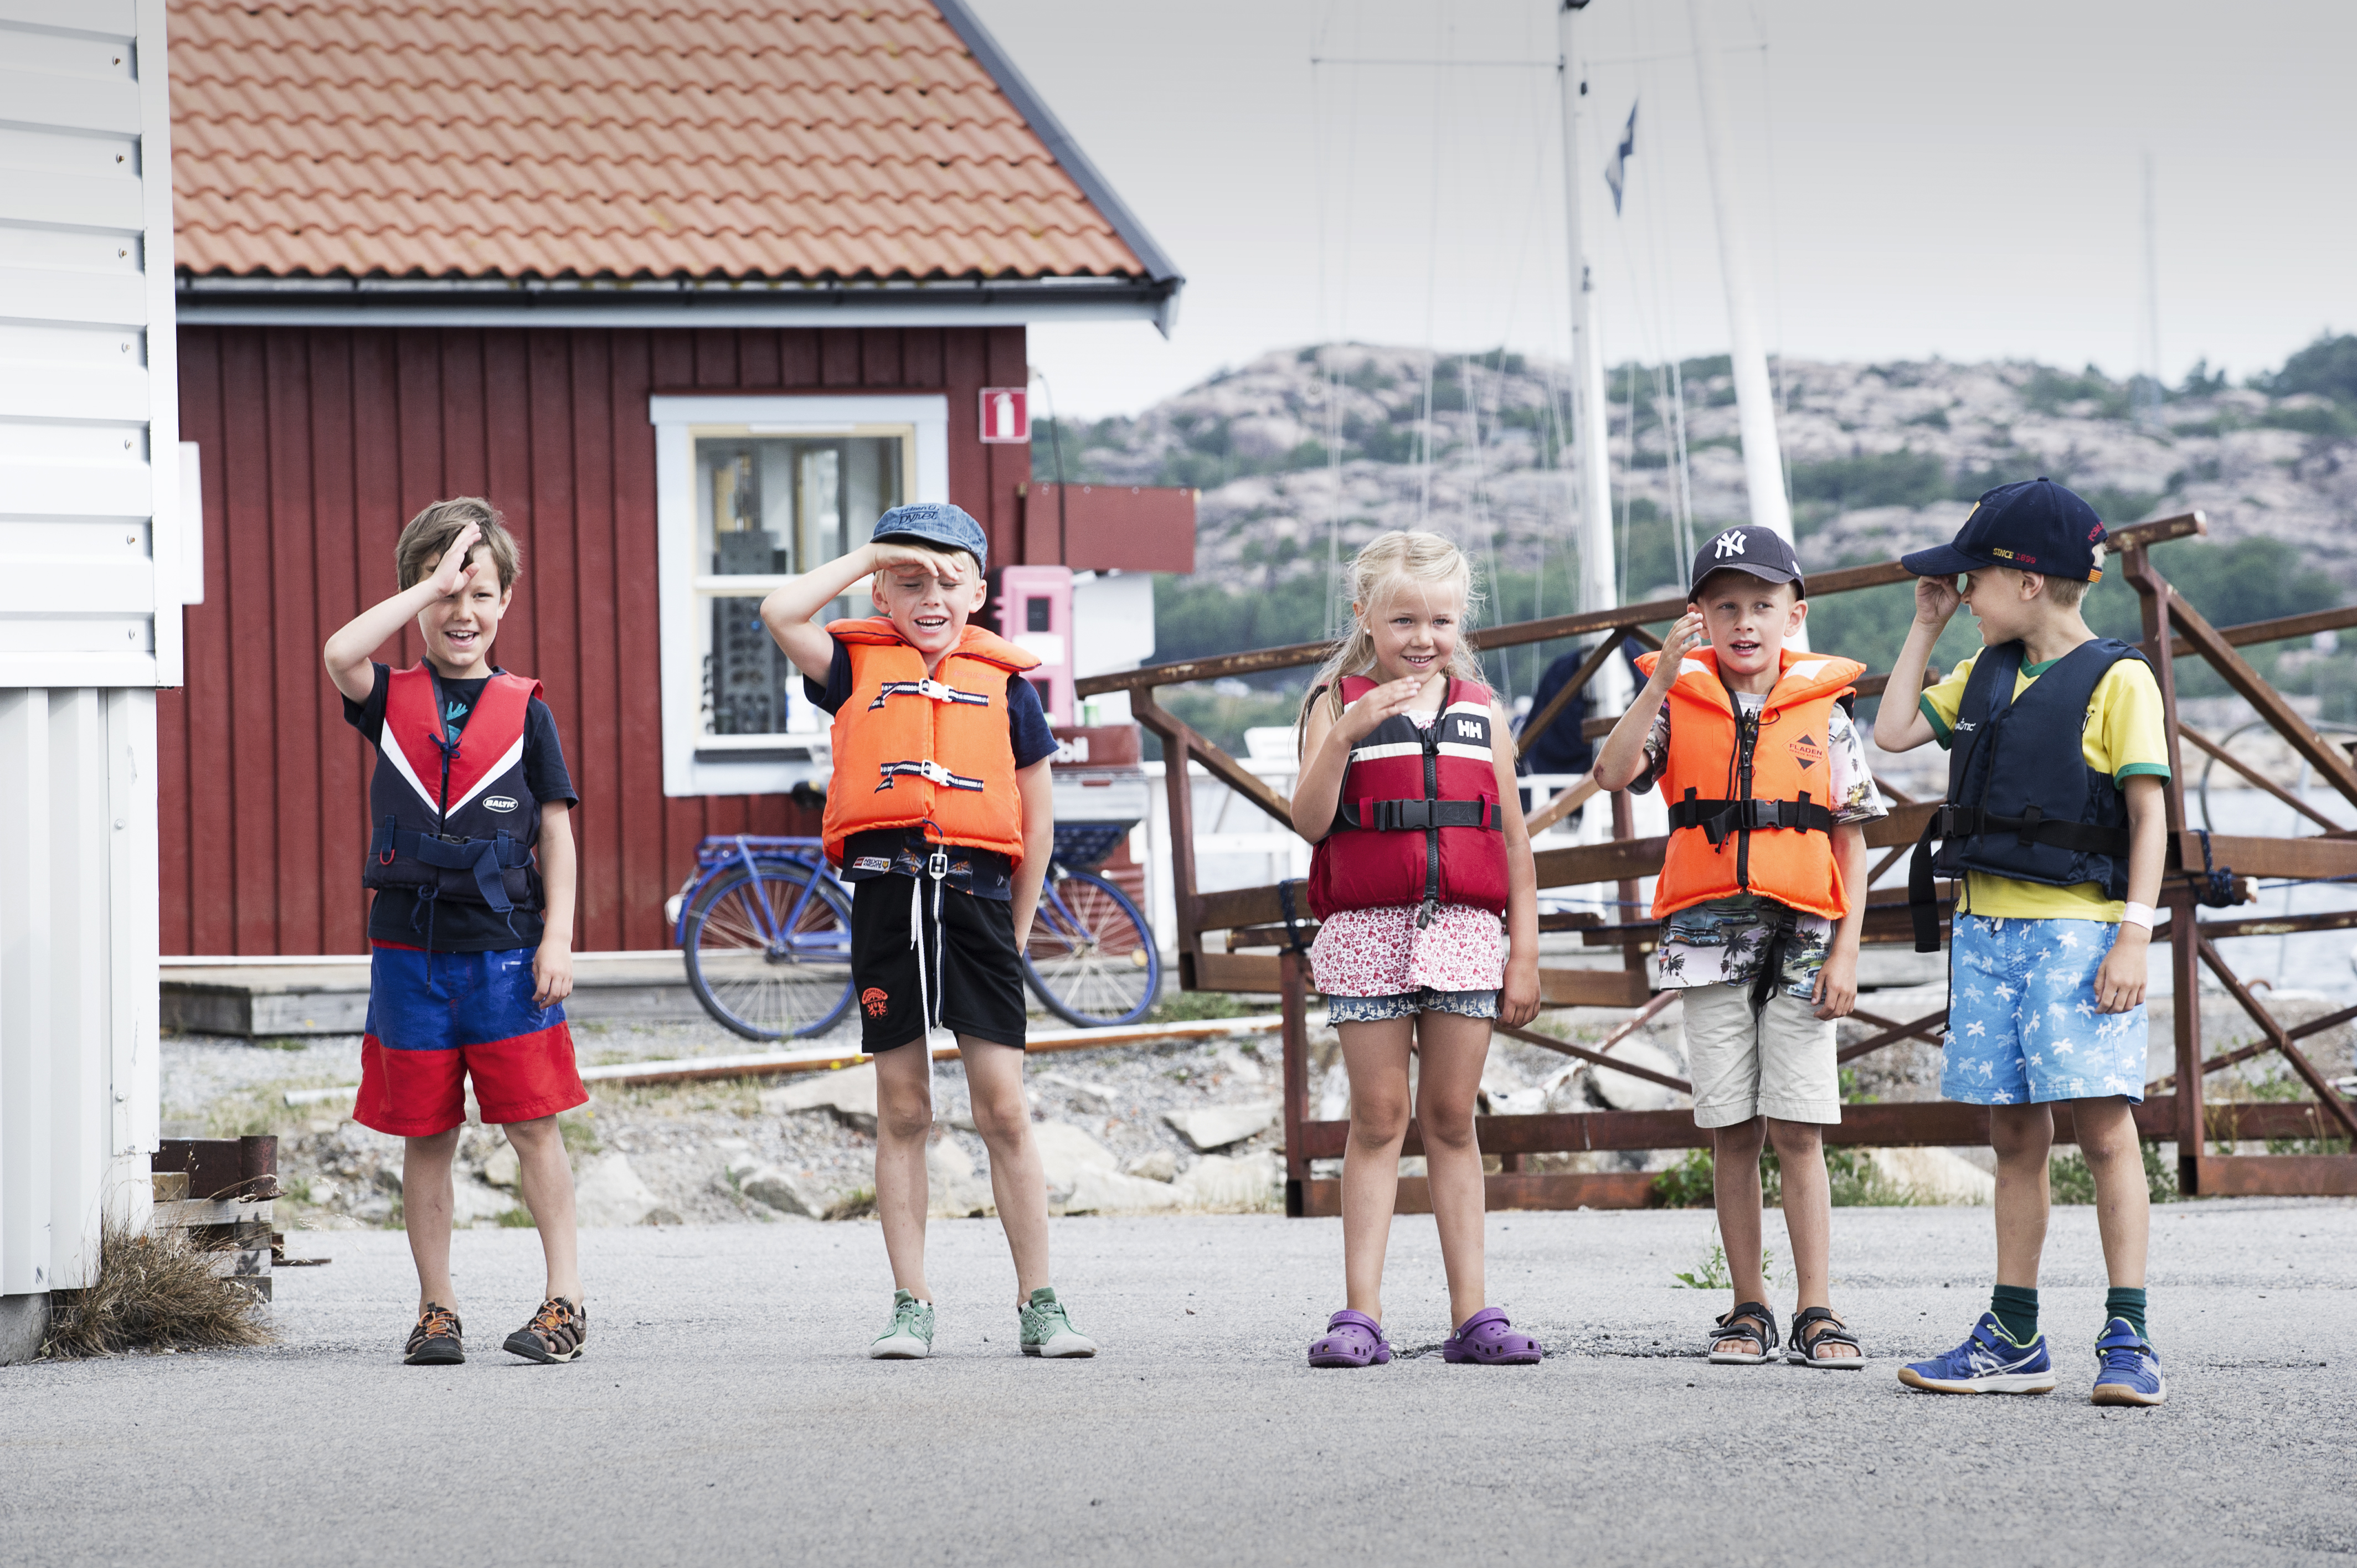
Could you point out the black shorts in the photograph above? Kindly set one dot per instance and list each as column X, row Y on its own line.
column 979, row 987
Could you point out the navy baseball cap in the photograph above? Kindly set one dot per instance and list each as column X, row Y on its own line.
column 935, row 522
column 1762, row 551
column 2036, row 525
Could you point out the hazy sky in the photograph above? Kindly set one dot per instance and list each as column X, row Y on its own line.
column 1916, row 178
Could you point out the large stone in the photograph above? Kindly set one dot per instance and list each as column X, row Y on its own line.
column 954, row 1190
column 1065, row 1151
column 1245, row 1183
column 472, row 1201
column 1934, row 1175
column 1098, row 1191
column 848, row 1093
column 502, row 1168
column 609, row 1193
column 785, row 1192
column 1155, row 1164
column 1087, row 1096
column 1209, row 1127
column 1622, row 1092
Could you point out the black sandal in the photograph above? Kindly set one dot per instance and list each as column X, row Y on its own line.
column 1750, row 1320
column 1831, row 1330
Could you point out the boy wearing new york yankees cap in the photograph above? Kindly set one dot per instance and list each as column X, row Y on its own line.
column 941, row 817
column 1761, row 899
column 2059, row 846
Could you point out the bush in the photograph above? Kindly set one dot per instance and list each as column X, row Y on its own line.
column 153, row 1293
column 1905, row 478
column 2327, row 367
column 2070, row 1181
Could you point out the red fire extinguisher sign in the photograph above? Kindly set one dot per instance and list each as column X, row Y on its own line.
column 1006, row 413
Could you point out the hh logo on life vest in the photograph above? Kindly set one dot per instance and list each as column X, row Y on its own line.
column 1473, row 729
column 875, row 1000
column 1809, row 752
column 1730, row 543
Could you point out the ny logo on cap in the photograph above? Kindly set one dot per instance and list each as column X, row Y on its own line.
column 1730, row 543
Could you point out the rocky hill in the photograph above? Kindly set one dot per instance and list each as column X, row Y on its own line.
column 1882, row 457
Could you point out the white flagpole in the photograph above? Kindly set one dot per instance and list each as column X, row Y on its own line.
column 1590, row 419
column 1755, row 403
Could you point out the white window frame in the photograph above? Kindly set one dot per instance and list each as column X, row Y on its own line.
column 682, row 590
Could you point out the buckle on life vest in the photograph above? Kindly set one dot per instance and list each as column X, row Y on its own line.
column 929, row 770
column 928, row 688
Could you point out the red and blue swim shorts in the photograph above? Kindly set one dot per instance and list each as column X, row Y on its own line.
column 436, row 1019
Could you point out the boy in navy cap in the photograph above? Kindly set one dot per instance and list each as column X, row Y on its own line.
column 941, row 817
column 2060, row 850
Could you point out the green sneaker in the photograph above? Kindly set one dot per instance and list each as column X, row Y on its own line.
column 909, row 1336
column 1047, row 1331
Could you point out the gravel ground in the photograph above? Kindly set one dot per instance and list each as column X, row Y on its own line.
column 724, row 1414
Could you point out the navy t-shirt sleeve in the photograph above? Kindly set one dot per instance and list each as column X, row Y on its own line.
column 367, row 717
column 544, row 758
column 1027, row 722
column 837, row 689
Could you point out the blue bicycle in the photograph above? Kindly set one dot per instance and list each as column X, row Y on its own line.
column 765, row 926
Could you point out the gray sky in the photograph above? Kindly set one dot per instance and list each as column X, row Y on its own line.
column 1915, row 178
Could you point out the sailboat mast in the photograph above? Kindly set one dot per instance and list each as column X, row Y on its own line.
column 1755, row 404
column 1590, row 420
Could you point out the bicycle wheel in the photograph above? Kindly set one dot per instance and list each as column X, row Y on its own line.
column 771, row 973
column 1091, row 957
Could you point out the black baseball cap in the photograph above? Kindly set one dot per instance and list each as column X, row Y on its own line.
column 940, row 523
column 1761, row 551
column 2036, row 525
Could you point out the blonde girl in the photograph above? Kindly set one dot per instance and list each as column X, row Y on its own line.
column 1407, row 793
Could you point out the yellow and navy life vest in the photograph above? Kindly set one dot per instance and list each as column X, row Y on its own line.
column 453, row 817
column 1418, row 820
column 931, row 751
column 1750, row 803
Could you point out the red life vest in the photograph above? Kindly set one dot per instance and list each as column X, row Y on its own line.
column 1418, row 820
column 932, row 751
column 1751, row 808
column 454, row 819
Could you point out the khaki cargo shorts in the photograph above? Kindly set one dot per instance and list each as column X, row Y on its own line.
column 1778, row 1063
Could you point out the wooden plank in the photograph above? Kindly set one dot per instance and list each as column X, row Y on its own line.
column 593, row 752
column 2280, row 1038
column 1175, row 731
column 206, row 1211
column 2285, row 1175
column 1234, row 971
column 1600, row 1058
column 2204, row 742
column 2283, row 628
column 2325, row 757
column 2308, row 858
column 1322, row 1198
column 299, row 687
column 647, row 874
column 1538, row 724
column 238, row 807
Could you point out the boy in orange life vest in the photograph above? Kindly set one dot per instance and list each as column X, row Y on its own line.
column 470, row 843
column 1755, row 749
column 941, row 817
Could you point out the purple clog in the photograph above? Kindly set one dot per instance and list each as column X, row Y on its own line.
column 1351, row 1339
column 1489, row 1338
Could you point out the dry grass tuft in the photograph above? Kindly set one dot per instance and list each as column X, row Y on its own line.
column 153, row 1293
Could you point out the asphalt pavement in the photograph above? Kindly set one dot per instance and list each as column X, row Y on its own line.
column 724, row 1412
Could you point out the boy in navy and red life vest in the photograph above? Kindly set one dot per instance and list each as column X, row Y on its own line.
column 941, row 817
column 1762, row 900
column 2058, row 756
column 470, row 855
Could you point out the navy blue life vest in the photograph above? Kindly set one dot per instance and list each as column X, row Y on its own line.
column 454, row 816
column 2022, row 801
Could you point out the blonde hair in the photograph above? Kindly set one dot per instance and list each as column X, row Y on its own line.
column 2067, row 592
column 429, row 536
column 1388, row 565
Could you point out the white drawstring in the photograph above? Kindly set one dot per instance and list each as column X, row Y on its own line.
column 935, row 1036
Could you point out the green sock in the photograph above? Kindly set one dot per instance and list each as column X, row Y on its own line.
column 2122, row 1302
column 2016, row 1311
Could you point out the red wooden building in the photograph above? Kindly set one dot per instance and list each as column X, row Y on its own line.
column 692, row 292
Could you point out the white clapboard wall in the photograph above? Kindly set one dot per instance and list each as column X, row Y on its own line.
column 95, row 566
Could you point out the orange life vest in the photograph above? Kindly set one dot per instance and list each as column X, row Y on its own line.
column 1753, row 817
column 934, row 751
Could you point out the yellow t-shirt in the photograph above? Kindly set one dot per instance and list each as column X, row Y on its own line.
column 2124, row 735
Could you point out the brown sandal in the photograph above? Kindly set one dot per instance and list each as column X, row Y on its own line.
column 556, row 1332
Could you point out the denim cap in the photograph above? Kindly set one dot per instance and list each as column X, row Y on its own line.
column 935, row 522
column 2036, row 525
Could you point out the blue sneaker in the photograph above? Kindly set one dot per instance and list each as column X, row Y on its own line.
column 2131, row 1368
column 1987, row 1363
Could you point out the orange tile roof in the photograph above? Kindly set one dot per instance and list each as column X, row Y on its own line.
column 665, row 138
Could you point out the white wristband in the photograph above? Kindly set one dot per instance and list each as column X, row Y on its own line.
column 2137, row 914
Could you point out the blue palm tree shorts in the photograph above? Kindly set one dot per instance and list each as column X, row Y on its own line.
column 2022, row 1023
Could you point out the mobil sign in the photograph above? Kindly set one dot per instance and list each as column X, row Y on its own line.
column 1005, row 414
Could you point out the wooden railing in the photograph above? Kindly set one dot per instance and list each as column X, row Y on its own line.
column 1256, row 953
